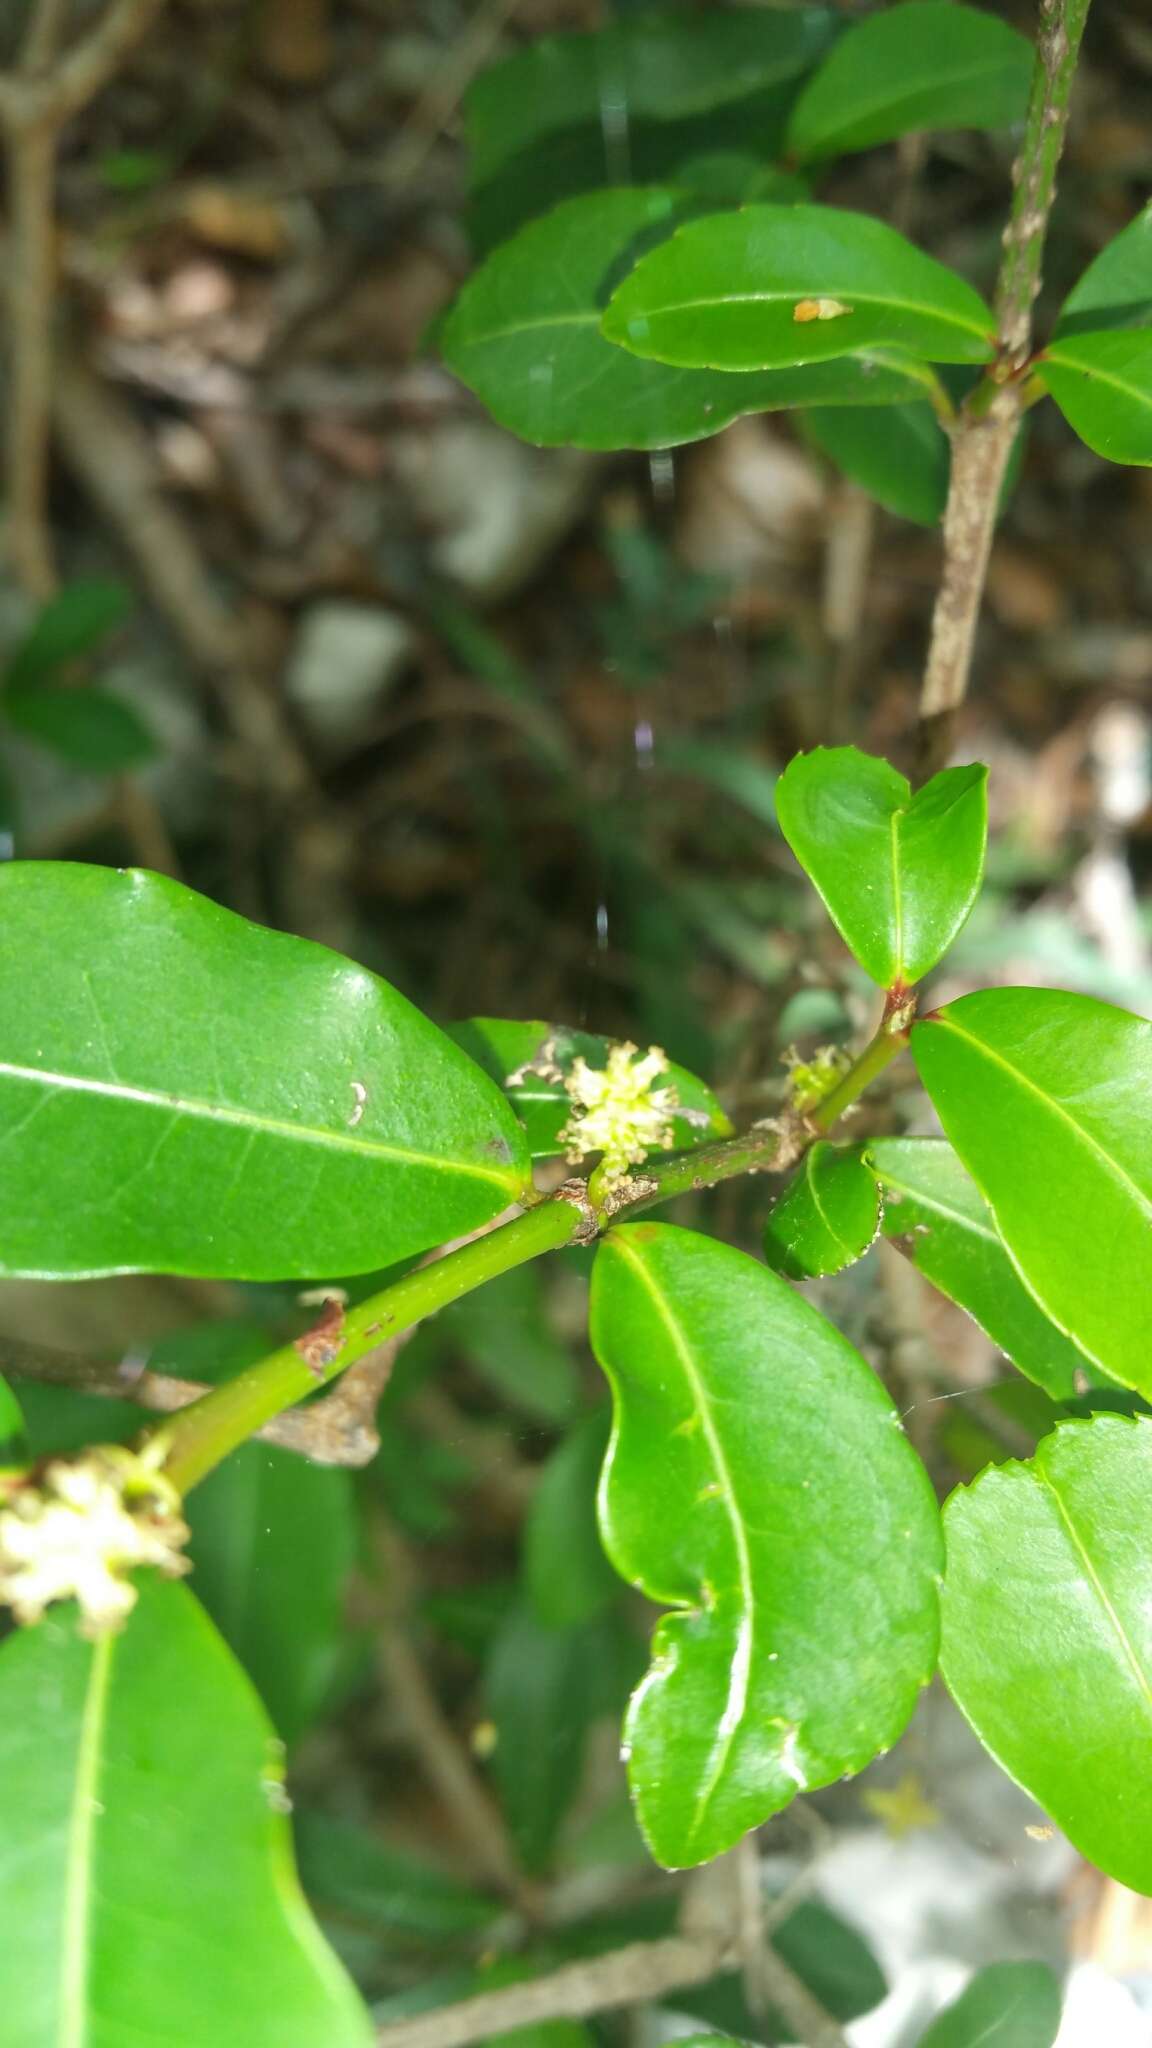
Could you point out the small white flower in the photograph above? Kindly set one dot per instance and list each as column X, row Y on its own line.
column 79, row 1527
column 617, row 1111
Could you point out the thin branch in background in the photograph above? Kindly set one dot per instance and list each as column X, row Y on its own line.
column 340, row 1430
column 445, row 1762
column 414, row 142
column 643, row 1970
column 37, row 100
column 986, row 432
column 44, row 37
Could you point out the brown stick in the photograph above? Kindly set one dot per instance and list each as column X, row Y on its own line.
column 986, row 431
column 340, row 1430
column 36, row 103
column 643, row 1970
column 39, row 98
column 31, row 155
column 447, row 1765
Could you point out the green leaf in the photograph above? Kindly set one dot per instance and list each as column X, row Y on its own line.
column 936, row 1214
column 273, row 1545
column 1008, row 2005
column 544, row 1687
column 1047, row 1645
column 525, row 335
column 1103, row 386
column 1115, row 290
column 184, row 1092
column 733, row 177
column 747, row 1429
column 90, row 728
column 13, row 1444
column 1047, row 1098
column 72, row 624
column 504, row 1332
column 657, row 65
column 724, row 293
column 900, row 457
column 568, row 1577
column 146, row 1858
column 529, row 1061
column 928, row 64
column 359, row 1875
column 898, row 874
column 826, row 1218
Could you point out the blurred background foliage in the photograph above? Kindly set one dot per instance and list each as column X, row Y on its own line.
column 504, row 724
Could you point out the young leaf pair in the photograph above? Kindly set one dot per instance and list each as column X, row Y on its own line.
column 1044, row 1096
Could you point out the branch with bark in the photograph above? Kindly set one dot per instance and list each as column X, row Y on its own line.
column 986, row 431
column 38, row 98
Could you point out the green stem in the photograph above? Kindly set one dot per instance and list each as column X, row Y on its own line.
column 872, row 1061
column 195, row 1439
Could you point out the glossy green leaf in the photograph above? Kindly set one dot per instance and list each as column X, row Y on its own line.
column 656, row 65
column 772, row 286
column 13, row 1447
column 360, row 1875
column 90, row 728
column 568, row 1577
column 1008, row 2005
column 1116, row 289
column 936, row 1214
column 145, row 1855
column 1103, row 386
column 184, row 1092
column 927, row 64
column 530, row 1060
column 505, row 1332
column 899, row 456
column 826, row 1218
column 758, row 1483
column 543, row 1688
column 525, row 335
column 1047, row 1098
column 898, row 874
column 1047, row 1644
column 71, row 624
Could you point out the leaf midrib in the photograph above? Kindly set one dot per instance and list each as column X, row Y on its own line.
column 836, row 1236
column 1127, row 1647
column 1112, row 1166
column 828, row 289
column 742, row 1661
column 76, row 1944
column 1140, row 393
column 897, row 905
column 246, row 1120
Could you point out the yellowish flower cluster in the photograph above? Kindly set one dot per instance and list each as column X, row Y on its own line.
column 76, row 1530
column 809, row 1081
column 617, row 1111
